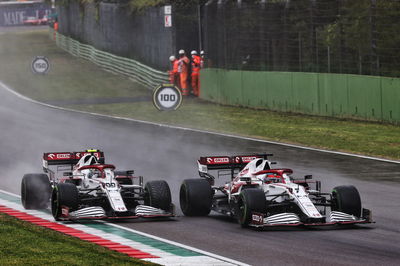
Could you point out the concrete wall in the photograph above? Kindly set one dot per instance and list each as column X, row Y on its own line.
column 13, row 14
column 141, row 36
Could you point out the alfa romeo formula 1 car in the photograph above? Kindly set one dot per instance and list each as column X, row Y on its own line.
column 259, row 196
column 79, row 185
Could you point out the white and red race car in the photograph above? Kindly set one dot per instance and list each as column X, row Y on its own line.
column 79, row 185
column 36, row 21
column 259, row 196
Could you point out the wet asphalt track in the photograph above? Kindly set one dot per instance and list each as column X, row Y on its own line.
column 28, row 130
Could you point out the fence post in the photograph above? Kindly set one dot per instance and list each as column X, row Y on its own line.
column 300, row 68
column 329, row 59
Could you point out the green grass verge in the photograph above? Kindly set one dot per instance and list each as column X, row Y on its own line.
column 25, row 244
column 72, row 78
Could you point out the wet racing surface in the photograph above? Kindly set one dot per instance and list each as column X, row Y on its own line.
column 156, row 152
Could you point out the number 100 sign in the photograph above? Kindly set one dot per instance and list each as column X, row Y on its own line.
column 167, row 97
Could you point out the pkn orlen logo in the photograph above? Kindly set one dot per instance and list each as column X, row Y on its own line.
column 167, row 97
column 40, row 65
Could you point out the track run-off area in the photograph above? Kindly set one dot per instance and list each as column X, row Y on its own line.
column 161, row 152
column 128, row 241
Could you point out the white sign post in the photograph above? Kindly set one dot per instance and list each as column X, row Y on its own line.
column 167, row 97
column 168, row 21
column 40, row 65
column 167, row 10
column 167, row 16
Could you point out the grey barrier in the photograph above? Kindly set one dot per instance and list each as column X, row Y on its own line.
column 141, row 73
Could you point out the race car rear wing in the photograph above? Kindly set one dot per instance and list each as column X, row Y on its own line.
column 70, row 158
column 232, row 163
column 229, row 162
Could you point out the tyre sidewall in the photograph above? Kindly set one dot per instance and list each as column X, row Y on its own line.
column 250, row 200
column 347, row 199
column 158, row 195
column 195, row 197
column 35, row 191
column 64, row 194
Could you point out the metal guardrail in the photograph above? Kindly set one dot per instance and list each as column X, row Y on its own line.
column 143, row 74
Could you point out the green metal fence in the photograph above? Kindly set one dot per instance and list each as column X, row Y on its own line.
column 143, row 74
column 336, row 95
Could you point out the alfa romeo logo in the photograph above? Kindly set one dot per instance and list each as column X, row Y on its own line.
column 167, row 97
column 40, row 65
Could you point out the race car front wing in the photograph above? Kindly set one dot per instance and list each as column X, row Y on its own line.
column 292, row 219
column 98, row 213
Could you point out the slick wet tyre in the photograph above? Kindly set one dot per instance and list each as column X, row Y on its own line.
column 158, row 195
column 195, row 197
column 250, row 200
column 346, row 199
column 35, row 191
column 64, row 194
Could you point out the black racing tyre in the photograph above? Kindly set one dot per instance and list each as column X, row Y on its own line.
column 64, row 194
column 35, row 191
column 195, row 197
column 346, row 199
column 250, row 200
column 158, row 195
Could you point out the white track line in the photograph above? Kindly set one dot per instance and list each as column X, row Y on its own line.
column 199, row 130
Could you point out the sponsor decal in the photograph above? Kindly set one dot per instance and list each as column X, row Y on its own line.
column 202, row 168
column 64, row 211
column 244, row 159
column 217, row 160
column 257, row 218
column 58, row 156
column 248, row 159
column 63, row 156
